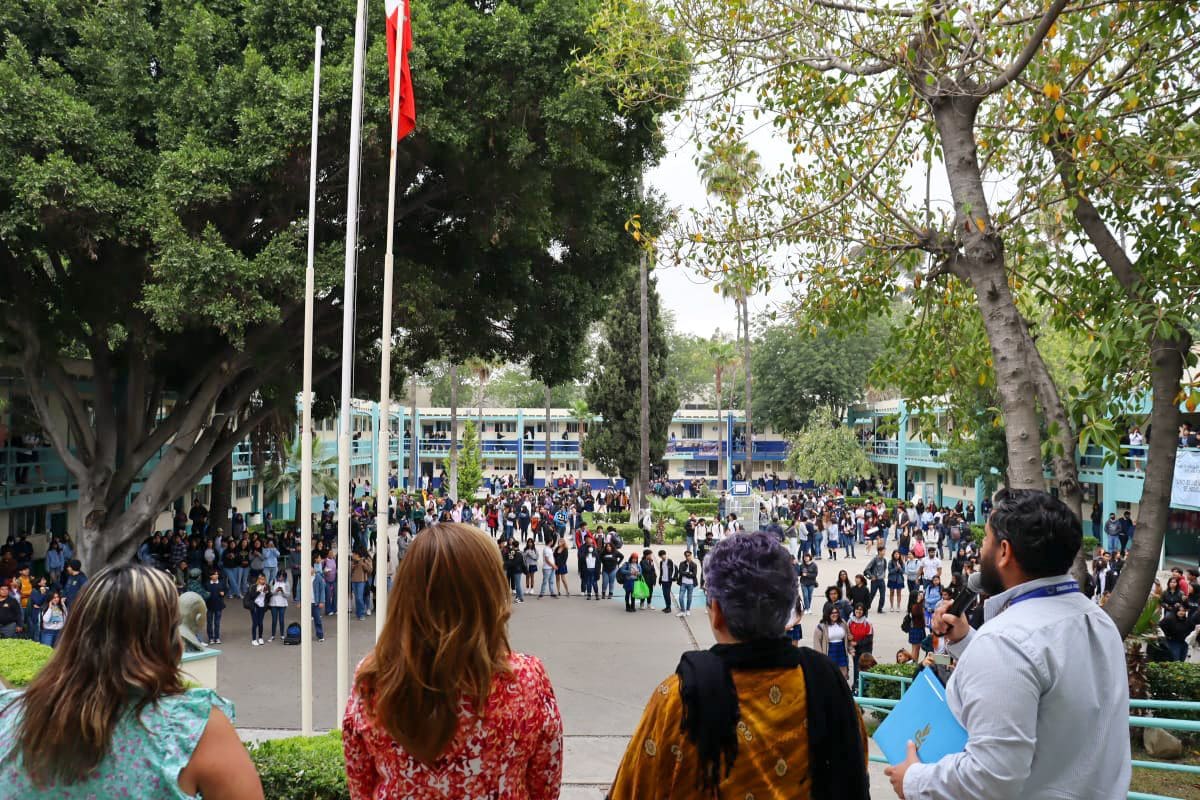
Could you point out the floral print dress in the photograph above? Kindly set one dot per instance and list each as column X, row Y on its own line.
column 513, row 753
column 145, row 758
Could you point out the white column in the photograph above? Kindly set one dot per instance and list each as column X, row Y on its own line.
column 347, row 414
column 306, row 435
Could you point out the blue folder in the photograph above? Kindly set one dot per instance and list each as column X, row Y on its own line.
column 922, row 717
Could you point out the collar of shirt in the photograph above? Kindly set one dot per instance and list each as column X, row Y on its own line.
column 994, row 605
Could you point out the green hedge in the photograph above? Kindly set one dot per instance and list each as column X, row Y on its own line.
column 611, row 518
column 700, row 505
column 21, row 660
column 889, row 690
column 302, row 767
column 631, row 535
column 1174, row 680
column 278, row 525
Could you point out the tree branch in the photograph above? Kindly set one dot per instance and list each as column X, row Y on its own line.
column 1028, row 52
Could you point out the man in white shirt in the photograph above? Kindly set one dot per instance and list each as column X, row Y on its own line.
column 1038, row 725
column 930, row 565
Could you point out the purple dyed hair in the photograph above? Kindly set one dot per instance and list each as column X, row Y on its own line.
column 752, row 577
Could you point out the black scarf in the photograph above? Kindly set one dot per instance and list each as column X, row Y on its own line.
column 711, row 714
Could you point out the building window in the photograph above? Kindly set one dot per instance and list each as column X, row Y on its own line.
column 572, row 427
column 241, row 489
column 27, row 520
column 693, row 430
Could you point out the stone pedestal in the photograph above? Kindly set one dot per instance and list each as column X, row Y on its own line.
column 201, row 668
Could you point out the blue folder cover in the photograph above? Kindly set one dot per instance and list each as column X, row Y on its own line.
column 922, row 717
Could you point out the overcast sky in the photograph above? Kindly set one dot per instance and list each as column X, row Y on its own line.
column 699, row 310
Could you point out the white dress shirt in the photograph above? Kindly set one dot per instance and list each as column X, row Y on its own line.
column 1042, row 691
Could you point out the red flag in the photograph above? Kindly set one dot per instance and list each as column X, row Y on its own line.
column 408, row 106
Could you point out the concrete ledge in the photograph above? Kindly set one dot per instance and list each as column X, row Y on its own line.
column 201, row 667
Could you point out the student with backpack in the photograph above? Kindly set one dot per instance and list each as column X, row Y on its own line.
column 650, row 576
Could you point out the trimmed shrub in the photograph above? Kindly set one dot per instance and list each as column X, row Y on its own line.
column 611, row 518
column 1090, row 543
column 887, row 690
column 1174, row 680
column 277, row 525
column 701, row 506
column 978, row 533
column 302, row 767
column 21, row 660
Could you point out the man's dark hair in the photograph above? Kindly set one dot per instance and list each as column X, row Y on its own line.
column 1043, row 533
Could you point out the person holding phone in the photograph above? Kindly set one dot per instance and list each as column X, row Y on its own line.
column 1023, row 720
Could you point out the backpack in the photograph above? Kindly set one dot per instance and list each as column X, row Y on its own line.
column 906, row 623
column 248, row 601
column 623, row 573
column 919, row 549
column 293, row 634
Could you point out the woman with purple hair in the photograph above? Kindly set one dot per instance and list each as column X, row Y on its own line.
column 727, row 722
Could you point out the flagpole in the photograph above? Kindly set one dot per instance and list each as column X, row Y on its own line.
column 347, row 413
column 306, row 442
column 382, row 553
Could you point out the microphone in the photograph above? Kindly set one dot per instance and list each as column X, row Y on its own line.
column 966, row 596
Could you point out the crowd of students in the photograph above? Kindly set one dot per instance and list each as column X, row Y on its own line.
column 36, row 607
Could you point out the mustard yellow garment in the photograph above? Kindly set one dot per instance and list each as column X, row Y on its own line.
column 772, row 761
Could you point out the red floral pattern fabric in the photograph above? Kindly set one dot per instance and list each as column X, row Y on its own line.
column 513, row 753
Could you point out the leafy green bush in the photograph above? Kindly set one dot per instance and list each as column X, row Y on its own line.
column 302, row 767
column 889, row 690
column 21, row 660
column 978, row 533
column 1090, row 543
column 1174, row 680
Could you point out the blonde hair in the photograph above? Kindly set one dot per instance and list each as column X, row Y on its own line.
column 120, row 647
column 446, row 637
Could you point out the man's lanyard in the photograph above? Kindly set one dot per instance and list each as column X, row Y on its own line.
column 1066, row 587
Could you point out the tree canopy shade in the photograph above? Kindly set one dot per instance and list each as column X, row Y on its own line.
column 153, row 165
column 614, row 393
column 828, row 452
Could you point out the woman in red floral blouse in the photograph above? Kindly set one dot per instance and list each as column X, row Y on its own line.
column 441, row 707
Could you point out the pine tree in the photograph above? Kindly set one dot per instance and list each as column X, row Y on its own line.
column 614, row 394
column 470, row 463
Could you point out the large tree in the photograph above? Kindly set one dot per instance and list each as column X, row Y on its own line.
column 1098, row 98
column 826, row 451
column 799, row 370
column 153, row 165
column 615, row 389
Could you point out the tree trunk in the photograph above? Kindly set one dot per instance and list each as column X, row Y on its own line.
column 746, row 365
column 221, row 496
column 546, row 462
column 453, row 488
column 414, row 456
column 980, row 261
column 1137, row 576
column 644, row 363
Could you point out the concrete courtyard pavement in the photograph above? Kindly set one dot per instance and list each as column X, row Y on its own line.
column 603, row 663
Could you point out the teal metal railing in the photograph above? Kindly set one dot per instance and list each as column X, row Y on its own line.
column 1184, row 725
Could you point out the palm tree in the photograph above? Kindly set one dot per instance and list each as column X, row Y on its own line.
column 582, row 415
column 729, row 172
column 723, row 356
column 277, row 476
column 481, row 368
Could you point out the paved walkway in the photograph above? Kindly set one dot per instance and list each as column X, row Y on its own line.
column 603, row 664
